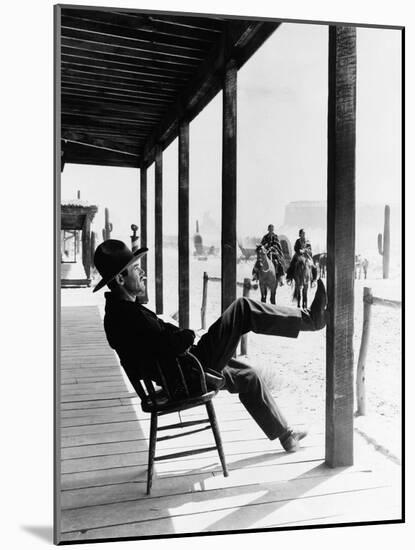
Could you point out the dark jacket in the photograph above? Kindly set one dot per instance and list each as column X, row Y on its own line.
column 272, row 243
column 303, row 245
column 141, row 339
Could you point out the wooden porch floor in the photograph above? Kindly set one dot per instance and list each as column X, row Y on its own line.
column 104, row 438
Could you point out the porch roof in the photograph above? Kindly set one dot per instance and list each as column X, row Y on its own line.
column 128, row 77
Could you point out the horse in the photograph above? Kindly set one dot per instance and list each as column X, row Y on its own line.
column 302, row 280
column 360, row 263
column 321, row 261
column 265, row 272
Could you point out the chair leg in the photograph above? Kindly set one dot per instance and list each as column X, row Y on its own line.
column 151, row 450
column 215, row 429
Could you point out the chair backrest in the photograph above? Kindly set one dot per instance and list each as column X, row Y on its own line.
column 185, row 378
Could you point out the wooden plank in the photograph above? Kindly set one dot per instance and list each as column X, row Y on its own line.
column 315, row 509
column 183, row 230
column 111, row 62
column 189, row 21
column 139, row 36
column 76, row 390
column 81, row 76
column 340, row 244
column 119, row 139
column 106, row 427
column 114, row 383
column 95, row 404
column 104, row 143
column 103, row 412
column 134, row 21
column 229, row 186
column 82, row 152
column 395, row 304
column 82, row 96
column 100, row 160
column 148, row 19
column 89, row 80
column 201, row 481
column 107, row 108
column 229, row 501
column 230, row 430
column 77, row 148
column 237, row 454
column 92, row 396
column 158, row 228
column 151, row 103
column 194, row 482
column 179, row 469
column 115, row 54
column 150, row 50
column 108, row 68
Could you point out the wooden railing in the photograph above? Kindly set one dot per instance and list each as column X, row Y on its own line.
column 368, row 301
column 246, row 285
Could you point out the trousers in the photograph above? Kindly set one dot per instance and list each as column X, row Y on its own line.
column 218, row 345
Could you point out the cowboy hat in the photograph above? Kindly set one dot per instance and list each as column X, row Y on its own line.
column 112, row 257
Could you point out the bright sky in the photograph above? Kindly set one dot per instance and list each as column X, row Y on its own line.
column 282, row 126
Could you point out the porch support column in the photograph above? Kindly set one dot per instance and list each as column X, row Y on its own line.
column 229, row 186
column 340, row 245
column 86, row 246
column 158, row 224
column 143, row 219
column 183, row 235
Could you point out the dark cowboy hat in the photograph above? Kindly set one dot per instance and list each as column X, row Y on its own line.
column 111, row 257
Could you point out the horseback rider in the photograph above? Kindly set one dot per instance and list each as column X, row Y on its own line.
column 302, row 247
column 272, row 245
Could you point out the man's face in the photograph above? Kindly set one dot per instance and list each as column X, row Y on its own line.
column 302, row 234
column 133, row 282
column 271, row 228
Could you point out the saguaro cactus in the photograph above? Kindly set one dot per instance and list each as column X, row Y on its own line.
column 106, row 232
column 385, row 250
column 134, row 237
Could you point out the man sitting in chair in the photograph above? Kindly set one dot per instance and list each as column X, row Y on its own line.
column 141, row 339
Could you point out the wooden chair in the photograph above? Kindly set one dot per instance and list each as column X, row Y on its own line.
column 158, row 402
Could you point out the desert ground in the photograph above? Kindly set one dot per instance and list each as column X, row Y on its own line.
column 295, row 368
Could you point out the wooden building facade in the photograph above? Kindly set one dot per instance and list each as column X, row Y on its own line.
column 76, row 218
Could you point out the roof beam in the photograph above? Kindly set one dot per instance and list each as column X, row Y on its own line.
column 85, row 154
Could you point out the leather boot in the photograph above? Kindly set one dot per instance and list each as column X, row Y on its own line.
column 315, row 318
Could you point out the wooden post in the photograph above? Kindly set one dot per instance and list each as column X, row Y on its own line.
column 93, row 246
column 204, row 298
column 86, row 246
column 143, row 219
column 183, row 236
column 361, row 364
column 244, row 338
column 158, row 237
column 229, row 255
column 340, row 245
